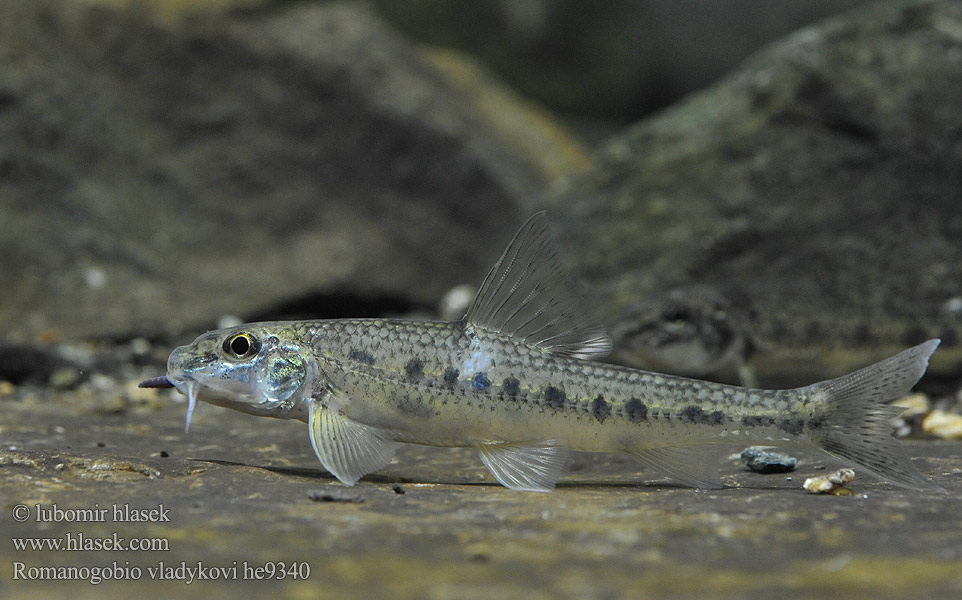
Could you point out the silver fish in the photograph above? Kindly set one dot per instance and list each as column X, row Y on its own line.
column 511, row 379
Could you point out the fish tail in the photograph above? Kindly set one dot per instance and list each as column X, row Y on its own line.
column 853, row 421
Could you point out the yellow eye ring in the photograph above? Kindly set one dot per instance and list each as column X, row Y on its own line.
column 241, row 345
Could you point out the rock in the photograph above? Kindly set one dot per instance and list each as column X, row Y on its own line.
column 158, row 173
column 815, row 191
column 614, row 60
column 831, row 483
column 38, row 364
column 943, row 424
column 764, row 461
column 914, row 409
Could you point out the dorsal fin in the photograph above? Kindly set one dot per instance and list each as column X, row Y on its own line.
column 527, row 295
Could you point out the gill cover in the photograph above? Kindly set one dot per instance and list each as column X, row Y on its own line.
column 278, row 371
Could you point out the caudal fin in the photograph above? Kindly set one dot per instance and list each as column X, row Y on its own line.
column 853, row 420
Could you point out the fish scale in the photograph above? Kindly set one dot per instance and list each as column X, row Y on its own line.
column 513, row 380
column 383, row 381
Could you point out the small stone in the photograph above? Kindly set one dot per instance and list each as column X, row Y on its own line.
column 95, row 278
column 65, row 378
column 953, row 304
column 915, row 407
column 943, row 424
column 455, row 302
column 913, row 404
column 140, row 346
column 831, row 483
column 761, row 460
column 225, row 321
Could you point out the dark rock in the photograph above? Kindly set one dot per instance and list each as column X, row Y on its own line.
column 816, row 191
column 157, row 175
column 37, row 364
column 761, row 460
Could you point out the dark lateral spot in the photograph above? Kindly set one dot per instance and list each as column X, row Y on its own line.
column 692, row 414
column 412, row 405
column 716, row 418
column 554, row 397
column 480, row 381
column 791, row 426
column 451, row 375
column 636, row 411
column 414, row 368
column 361, row 356
column 398, row 489
column 511, row 388
column 756, row 421
column 600, row 409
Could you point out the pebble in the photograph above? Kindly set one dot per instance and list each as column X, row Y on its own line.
column 831, row 483
column 761, row 460
column 64, row 378
column 943, row 424
column 456, row 301
column 914, row 408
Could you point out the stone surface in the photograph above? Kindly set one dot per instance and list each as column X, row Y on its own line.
column 157, row 175
column 434, row 524
column 815, row 191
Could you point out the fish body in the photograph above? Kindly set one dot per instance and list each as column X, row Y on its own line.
column 513, row 379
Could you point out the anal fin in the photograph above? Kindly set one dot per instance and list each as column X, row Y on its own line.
column 696, row 466
column 525, row 467
column 348, row 450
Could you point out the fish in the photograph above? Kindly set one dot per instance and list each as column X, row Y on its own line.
column 516, row 380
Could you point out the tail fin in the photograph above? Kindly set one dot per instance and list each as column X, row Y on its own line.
column 854, row 422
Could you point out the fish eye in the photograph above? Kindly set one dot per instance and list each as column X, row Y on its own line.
column 241, row 345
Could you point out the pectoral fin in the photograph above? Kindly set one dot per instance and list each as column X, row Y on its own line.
column 525, row 467
column 348, row 450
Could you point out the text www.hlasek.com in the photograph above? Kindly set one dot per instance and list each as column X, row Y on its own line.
column 187, row 573
column 78, row 542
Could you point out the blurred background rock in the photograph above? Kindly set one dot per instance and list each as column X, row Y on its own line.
column 170, row 165
column 168, row 161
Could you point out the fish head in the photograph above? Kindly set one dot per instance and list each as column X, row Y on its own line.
column 258, row 369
